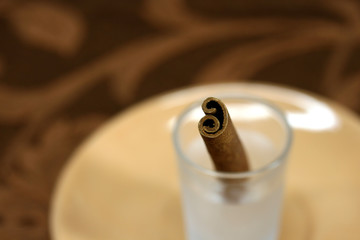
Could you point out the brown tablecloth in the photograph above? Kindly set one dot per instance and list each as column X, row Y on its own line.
column 67, row 66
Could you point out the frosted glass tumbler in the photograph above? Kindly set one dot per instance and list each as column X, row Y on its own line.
column 229, row 206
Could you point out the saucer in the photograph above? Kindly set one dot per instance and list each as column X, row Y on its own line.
column 122, row 182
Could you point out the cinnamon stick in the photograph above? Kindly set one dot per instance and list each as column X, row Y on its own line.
column 221, row 139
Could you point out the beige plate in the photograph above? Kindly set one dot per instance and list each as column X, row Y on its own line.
column 122, row 183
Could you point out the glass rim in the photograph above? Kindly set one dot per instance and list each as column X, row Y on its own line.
column 276, row 162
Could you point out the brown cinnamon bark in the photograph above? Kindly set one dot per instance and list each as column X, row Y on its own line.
column 221, row 139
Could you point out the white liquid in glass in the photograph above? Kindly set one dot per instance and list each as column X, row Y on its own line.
column 254, row 217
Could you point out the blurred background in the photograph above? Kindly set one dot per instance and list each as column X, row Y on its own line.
column 68, row 66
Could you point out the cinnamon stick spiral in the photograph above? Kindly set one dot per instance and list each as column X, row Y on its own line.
column 220, row 137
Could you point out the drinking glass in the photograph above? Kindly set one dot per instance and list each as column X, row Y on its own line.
column 228, row 206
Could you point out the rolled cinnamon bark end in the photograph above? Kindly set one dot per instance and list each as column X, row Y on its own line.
column 221, row 139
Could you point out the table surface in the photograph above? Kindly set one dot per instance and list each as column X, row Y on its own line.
column 124, row 177
column 68, row 66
